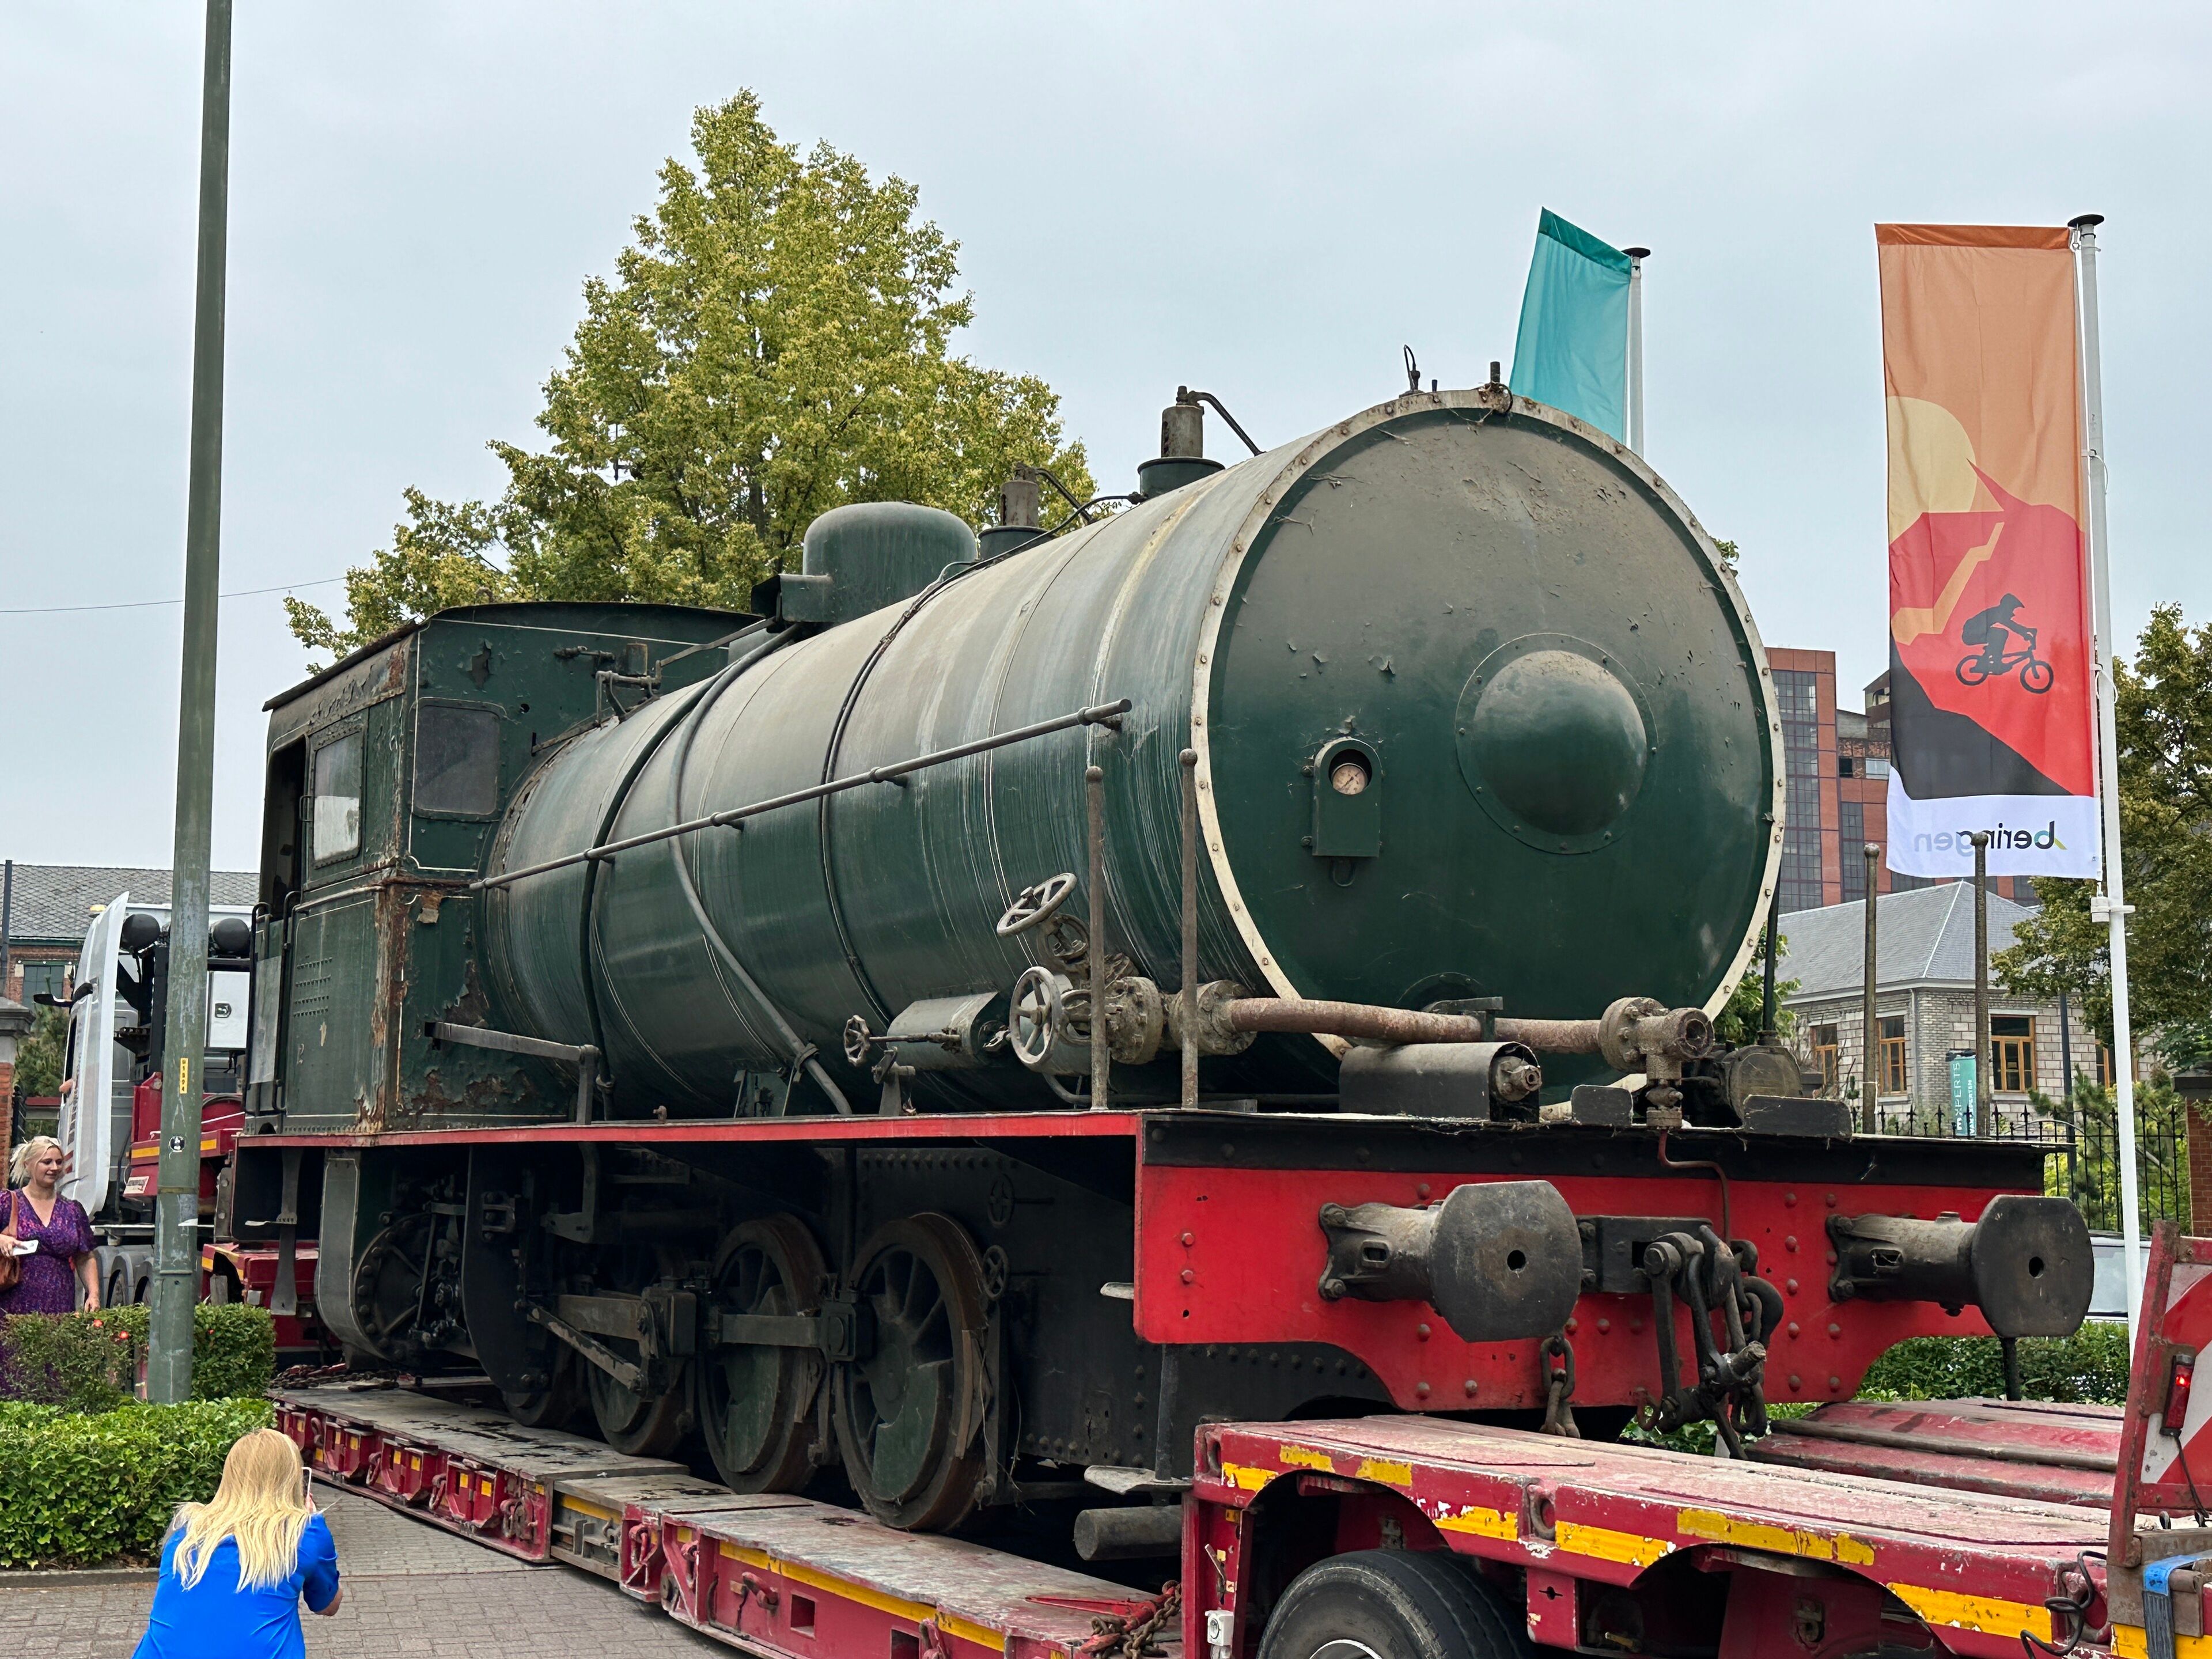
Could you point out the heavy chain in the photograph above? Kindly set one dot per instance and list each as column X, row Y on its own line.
column 1559, row 1387
column 1129, row 1636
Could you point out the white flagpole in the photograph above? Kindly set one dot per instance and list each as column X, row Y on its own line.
column 1637, row 256
column 2110, row 906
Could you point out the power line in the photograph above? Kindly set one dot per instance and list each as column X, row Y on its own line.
column 144, row 605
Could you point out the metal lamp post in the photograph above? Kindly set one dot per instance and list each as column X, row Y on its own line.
column 177, row 1203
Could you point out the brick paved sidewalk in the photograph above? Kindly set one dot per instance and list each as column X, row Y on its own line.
column 412, row 1592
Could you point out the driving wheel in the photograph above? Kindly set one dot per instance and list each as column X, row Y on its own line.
column 556, row 1405
column 909, row 1415
column 640, row 1424
column 754, row 1398
column 388, row 1288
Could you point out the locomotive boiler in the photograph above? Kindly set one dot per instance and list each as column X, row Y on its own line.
column 1251, row 956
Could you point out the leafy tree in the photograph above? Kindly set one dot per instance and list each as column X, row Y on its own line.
column 1737, row 1023
column 39, row 1055
column 2163, row 714
column 2091, row 1176
column 776, row 341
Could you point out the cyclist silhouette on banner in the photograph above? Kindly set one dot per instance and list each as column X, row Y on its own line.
column 1993, row 630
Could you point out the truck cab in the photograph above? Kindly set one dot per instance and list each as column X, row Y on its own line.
column 110, row 1121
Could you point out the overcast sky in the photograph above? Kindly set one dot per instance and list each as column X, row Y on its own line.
column 1265, row 201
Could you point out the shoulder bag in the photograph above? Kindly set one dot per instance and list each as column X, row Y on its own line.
column 11, row 1265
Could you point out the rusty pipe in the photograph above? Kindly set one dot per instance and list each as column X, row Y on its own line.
column 1635, row 1032
column 1551, row 1036
column 1379, row 1025
column 1351, row 1019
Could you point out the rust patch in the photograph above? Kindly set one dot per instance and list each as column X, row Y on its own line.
column 472, row 1007
column 481, row 1094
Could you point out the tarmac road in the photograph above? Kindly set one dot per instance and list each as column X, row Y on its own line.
column 412, row 1592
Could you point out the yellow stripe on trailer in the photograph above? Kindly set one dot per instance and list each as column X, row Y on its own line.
column 1482, row 1523
column 1713, row 1528
column 1604, row 1543
column 2129, row 1642
column 1989, row 1615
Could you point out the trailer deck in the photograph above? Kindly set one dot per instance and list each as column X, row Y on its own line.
column 1580, row 1519
column 769, row 1573
column 787, row 1575
column 1984, row 1528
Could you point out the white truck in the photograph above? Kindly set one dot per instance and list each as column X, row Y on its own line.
column 110, row 1118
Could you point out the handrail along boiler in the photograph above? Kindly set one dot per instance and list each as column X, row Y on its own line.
column 1250, row 956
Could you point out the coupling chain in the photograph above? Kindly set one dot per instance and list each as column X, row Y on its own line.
column 1559, row 1387
column 1714, row 1279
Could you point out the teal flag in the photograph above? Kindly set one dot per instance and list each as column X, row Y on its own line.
column 1572, row 349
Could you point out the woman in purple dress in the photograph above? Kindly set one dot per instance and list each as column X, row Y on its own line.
column 36, row 1212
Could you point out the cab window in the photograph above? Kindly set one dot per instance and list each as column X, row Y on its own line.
column 338, row 798
column 456, row 760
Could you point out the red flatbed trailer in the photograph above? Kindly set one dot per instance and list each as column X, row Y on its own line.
column 1974, row 1528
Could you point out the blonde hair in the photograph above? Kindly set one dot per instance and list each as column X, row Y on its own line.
column 261, row 1504
column 19, row 1168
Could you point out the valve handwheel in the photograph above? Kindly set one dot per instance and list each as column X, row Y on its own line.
column 1036, row 904
column 857, row 1040
column 1035, row 1015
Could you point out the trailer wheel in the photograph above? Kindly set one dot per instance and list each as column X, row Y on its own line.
column 113, row 1274
column 1394, row 1604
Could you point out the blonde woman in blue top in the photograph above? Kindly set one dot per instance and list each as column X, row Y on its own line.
column 235, row 1568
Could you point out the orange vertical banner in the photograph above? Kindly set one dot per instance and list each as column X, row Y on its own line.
column 1991, row 706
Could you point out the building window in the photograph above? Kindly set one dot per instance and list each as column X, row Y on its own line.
column 1850, row 829
column 1876, row 766
column 49, row 977
column 2012, row 1053
column 1824, row 1056
column 1889, row 1033
column 1797, row 692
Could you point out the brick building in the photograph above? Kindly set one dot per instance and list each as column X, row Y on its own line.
column 1924, row 1005
column 1836, row 761
column 49, row 906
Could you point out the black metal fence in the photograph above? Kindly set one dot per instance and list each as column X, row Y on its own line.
column 2083, row 1133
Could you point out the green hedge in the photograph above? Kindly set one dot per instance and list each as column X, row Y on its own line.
column 83, row 1488
column 87, row 1362
column 2091, row 1366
